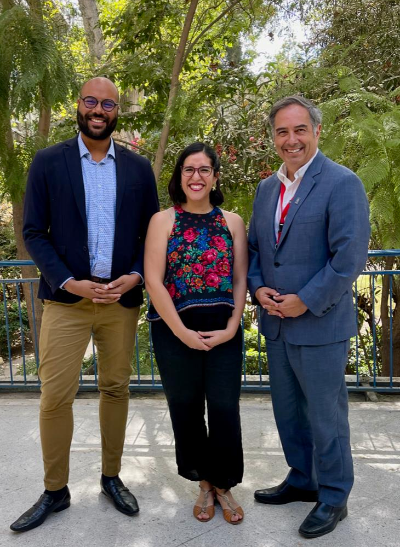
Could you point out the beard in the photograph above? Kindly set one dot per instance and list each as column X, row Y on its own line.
column 97, row 136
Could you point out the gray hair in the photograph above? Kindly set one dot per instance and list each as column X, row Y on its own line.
column 314, row 112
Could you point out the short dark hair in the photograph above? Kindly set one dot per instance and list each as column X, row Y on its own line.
column 175, row 188
column 314, row 112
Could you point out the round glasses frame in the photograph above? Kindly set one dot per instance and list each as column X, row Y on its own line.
column 107, row 105
column 204, row 171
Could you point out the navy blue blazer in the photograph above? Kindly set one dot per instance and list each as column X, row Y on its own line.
column 55, row 225
column 322, row 250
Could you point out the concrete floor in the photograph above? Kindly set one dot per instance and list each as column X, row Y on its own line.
column 165, row 518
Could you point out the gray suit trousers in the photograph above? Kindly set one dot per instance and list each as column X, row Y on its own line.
column 310, row 404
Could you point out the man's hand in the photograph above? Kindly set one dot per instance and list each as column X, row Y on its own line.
column 267, row 299
column 89, row 289
column 116, row 288
column 290, row 305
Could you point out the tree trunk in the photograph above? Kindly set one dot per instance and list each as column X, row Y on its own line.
column 129, row 103
column 385, row 317
column 94, row 34
column 183, row 51
column 179, row 58
column 97, row 48
column 364, row 303
column 27, row 271
column 33, row 305
column 44, row 123
column 34, row 308
column 396, row 341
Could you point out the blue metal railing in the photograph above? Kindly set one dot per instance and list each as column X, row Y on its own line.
column 372, row 362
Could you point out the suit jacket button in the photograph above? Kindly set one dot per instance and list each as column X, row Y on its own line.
column 84, row 248
column 277, row 264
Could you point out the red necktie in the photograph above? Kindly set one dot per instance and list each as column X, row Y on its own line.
column 284, row 212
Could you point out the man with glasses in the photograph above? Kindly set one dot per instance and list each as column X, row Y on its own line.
column 87, row 207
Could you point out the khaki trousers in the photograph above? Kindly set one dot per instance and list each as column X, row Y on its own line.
column 64, row 337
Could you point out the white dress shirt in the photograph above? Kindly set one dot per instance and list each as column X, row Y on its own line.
column 291, row 188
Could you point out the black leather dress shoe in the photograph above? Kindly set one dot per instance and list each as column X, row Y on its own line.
column 284, row 493
column 38, row 513
column 322, row 520
column 119, row 494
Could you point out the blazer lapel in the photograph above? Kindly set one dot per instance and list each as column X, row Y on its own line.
column 121, row 167
column 74, row 167
column 271, row 205
column 303, row 190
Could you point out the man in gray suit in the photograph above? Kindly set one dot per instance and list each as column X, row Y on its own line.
column 308, row 242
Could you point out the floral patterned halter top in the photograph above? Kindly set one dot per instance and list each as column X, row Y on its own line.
column 199, row 261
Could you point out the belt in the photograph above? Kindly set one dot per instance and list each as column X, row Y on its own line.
column 100, row 279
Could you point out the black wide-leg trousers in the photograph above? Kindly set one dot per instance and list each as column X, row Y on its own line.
column 192, row 378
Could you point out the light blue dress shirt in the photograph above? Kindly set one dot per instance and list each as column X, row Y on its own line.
column 100, row 182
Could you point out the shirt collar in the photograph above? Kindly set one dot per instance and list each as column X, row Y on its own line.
column 83, row 151
column 299, row 174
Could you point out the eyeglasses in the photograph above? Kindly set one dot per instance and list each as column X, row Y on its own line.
column 106, row 104
column 204, row 171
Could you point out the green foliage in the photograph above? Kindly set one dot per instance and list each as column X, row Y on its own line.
column 31, row 43
column 36, row 73
column 374, row 172
column 30, row 368
column 146, row 357
column 15, row 316
column 256, row 356
column 363, row 35
column 363, row 134
column 212, row 69
column 8, row 250
column 364, row 355
column 88, row 364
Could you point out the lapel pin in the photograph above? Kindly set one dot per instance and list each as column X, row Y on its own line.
column 297, row 201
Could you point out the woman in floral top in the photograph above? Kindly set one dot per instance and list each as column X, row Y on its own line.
column 195, row 269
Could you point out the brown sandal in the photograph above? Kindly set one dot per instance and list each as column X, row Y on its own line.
column 229, row 513
column 205, row 509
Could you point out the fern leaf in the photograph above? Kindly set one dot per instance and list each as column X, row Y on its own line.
column 349, row 83
column 374, row 172
column 333, row 145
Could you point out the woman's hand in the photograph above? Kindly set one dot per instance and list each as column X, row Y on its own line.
column 213, row 338
column 193, row 340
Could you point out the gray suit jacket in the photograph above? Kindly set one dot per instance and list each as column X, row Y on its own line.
column 322, row 250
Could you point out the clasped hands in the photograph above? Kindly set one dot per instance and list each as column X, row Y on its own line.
column 285, row 305
column 103, row 294
column 205, row 340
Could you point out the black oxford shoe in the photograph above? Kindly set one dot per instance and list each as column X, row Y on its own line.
column 322, row 520
column 284, row 493
column 38, row 513
column 123, row 500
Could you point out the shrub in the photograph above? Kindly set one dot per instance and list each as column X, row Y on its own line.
column 253, row 359
column 14, row 327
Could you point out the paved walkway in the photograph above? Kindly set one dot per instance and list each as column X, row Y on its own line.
column 165, row 519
